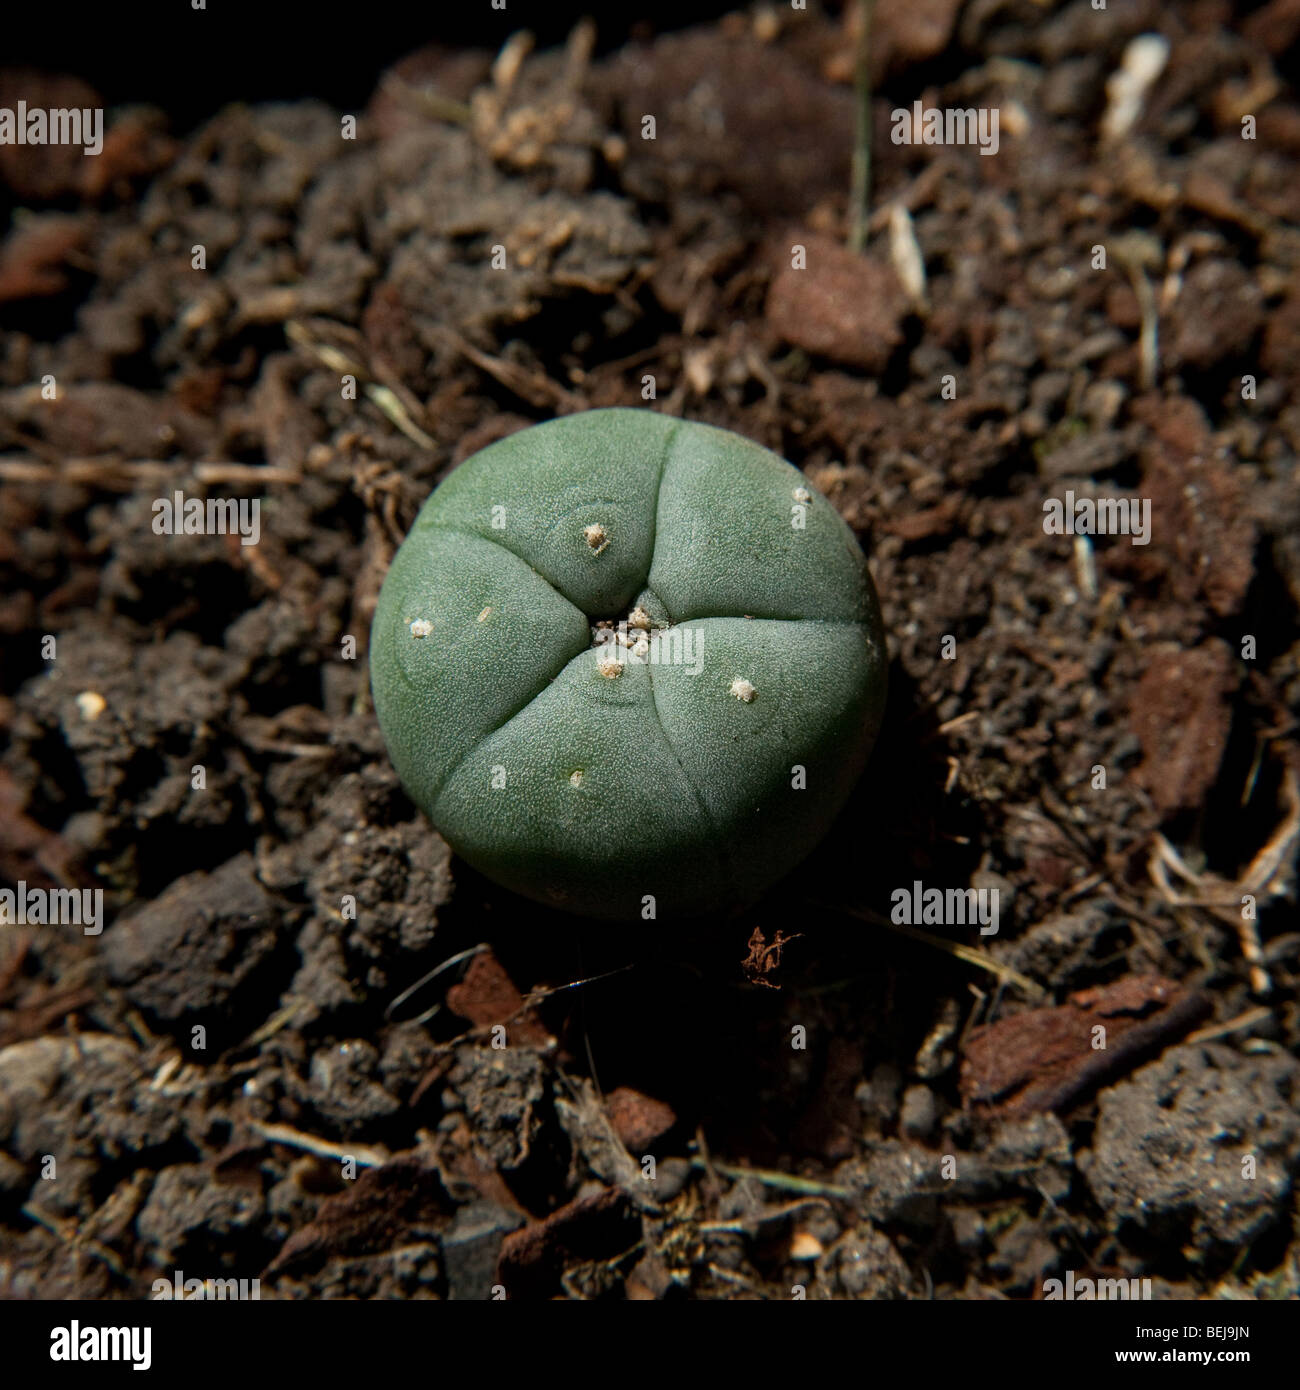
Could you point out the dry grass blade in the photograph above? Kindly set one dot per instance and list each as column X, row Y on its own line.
column 965, row 953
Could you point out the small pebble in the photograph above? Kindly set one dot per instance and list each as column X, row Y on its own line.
column 920, row 1112
column 805, row 1246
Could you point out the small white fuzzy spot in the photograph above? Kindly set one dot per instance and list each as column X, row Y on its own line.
column 596, row 537
column 483, row 616
column 639, row 618
column 1142, row 62
column 801, row 494
column 575, row 778
column 421, row 627
column 610, row 667
column 642, row 647
column 909, row 264
column 743, row 690
column 91, row 705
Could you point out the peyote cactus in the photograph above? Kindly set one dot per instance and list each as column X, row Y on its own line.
column 629, row 665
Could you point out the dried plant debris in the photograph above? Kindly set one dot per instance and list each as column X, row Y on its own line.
column 1048, row 1059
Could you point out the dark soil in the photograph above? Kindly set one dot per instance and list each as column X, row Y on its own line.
column 236, row 1078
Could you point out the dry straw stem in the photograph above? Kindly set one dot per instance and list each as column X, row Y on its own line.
column 967, row 953
column 1233, row 1025
column 366, row 1155
column 860, row 186
column 534, row 388
column 1138, row 253
column 282, row 1018
column 1221, row 897
column 432, row 975
column 425, row 102
column 786, row 1182
column 749, row 1224
column 72, row 1236
column 124, row 476
column 533, row 998
column 395, row 401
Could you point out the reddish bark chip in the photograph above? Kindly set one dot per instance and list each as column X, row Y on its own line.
column 595, row 1227
column 1202, row 540
column 841, row 305
column 638, row 1120
column 33, row 257
column 1181, row 716
column 487, row 996
column 373, row 1213
column 1048, row 1059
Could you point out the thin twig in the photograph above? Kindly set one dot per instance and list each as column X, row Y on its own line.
column 1233, row 1025
column 365, row 1155
column 787, row 1182
column 432, row 975
column 398, row 411
column 122, row 474
column 425, row 101
column 860, row 187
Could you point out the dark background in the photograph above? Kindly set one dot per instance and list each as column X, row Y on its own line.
column 191, row 63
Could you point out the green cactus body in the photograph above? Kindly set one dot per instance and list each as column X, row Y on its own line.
column 598, row 777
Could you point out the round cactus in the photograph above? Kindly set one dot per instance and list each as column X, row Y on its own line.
column 629, row 665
